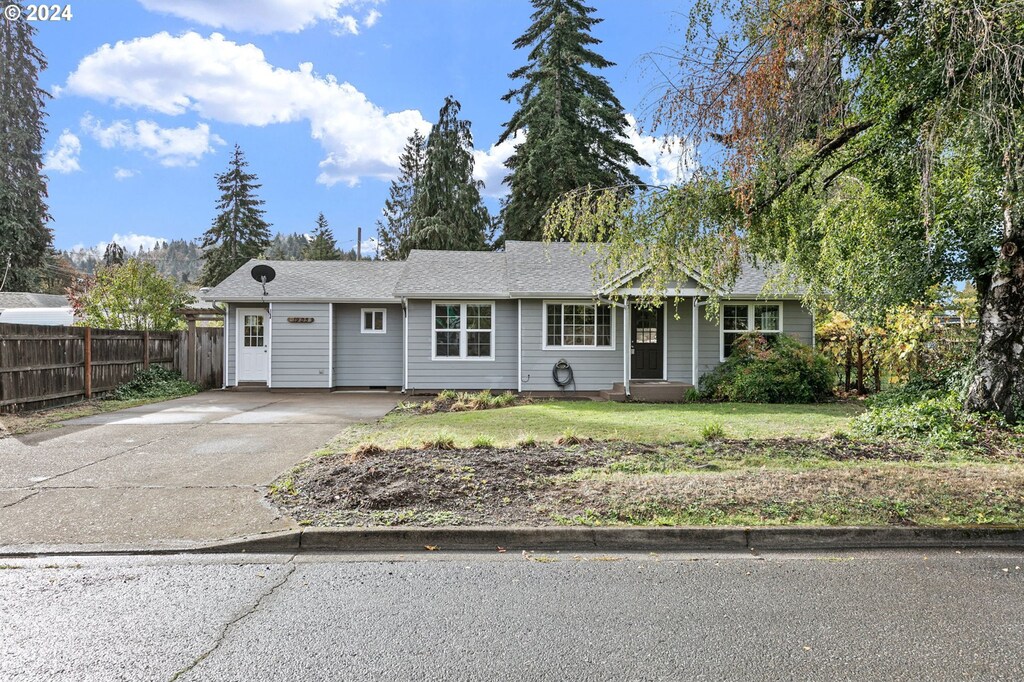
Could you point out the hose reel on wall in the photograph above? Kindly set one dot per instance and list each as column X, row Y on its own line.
column 562, row 374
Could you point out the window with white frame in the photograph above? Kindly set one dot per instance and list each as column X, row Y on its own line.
column 464, row 331
column 375, row 321
column 741, row 318
column 578, row 325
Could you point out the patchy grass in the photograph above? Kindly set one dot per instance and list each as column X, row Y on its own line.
column 549, row 420
column 19, row 423
column 828, row 481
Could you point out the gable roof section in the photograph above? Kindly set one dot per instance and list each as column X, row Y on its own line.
column 316, row 280
column 24, row 299
column 523, row 270
column 479, row 274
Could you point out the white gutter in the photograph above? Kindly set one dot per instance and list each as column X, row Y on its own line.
column 694, row 378
column 519, row 340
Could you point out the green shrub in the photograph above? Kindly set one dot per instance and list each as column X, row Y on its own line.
column 527, row 441
column 440, row 441
column 447, row 396
column 483, row 442
column 155, row 382
column 938, row 419
column 763, row 370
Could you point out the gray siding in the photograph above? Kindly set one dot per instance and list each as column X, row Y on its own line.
column 796, row 322
column 679, row 338
column 593, row 370
column 428, row 374
column 367, row 359
column 300, row 352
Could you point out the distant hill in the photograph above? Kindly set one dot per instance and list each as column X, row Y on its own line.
column 183, row 260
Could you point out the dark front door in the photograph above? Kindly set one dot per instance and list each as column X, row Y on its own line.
column 648, row 337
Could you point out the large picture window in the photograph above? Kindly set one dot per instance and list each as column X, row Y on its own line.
column 464, row 331
column 578, row 325
column 740, row 318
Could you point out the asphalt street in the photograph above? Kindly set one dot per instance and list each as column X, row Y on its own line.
column 894, row 615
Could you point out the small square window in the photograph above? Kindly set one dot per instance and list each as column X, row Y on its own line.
column 374, row 321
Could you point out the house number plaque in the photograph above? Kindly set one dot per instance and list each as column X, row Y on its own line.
column 300, row 320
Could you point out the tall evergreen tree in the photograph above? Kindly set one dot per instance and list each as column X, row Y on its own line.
column 575, row 126
column 114, row 254
column 393, row 230
column 239, row 231
column 321, row 245
column 24, row 236
column 447, row 212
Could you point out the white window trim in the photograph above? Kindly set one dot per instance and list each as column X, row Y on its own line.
column 544, row 326
column 750, row 322
column 463, row 332
column 384, row 320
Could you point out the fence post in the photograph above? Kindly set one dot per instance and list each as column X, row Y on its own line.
column 191, row 352
column 88, row 363
column 145, row 350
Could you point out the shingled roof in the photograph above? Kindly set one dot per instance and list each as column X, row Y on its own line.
column 523, row 270
column 24, row 299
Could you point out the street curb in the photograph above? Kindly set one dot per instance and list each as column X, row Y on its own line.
column 567, row 538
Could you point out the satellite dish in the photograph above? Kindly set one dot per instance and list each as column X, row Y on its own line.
column 263, row 274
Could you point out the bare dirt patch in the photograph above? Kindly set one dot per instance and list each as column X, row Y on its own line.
column 830, row 481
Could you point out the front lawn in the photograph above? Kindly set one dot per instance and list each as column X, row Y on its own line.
column 642, row 423
column 584, row 463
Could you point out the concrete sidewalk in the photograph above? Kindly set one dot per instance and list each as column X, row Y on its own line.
column 191, row 470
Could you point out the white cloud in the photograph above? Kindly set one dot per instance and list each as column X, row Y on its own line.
column 262, row 16
column 124, row 173
column 347, row 24
column 169, row 146
column 63, row 158
column 369, row 247
column 489, row 165
column 131, row 242
column 231, row 83
column 672, row 159
column 371, row 18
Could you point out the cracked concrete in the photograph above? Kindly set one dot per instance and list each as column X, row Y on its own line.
column 180, row 472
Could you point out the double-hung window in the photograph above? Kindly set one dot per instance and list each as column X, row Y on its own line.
column 741, row 318
column 578, row 325
column 464, row 331
column 374, row 321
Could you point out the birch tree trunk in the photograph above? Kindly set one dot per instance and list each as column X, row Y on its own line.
column 998, row 383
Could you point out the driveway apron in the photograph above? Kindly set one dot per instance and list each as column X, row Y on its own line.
column 191, row 470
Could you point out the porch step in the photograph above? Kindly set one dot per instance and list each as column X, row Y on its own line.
column 658, row 391
column 616, row 394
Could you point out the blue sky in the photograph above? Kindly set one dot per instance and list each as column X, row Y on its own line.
column 150, row 95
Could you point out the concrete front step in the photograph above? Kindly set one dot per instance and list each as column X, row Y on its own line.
column 650, row 391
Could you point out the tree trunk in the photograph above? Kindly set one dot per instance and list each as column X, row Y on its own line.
column 849, row 365
column 878, row 376
column 998, row 383
column 860, row 366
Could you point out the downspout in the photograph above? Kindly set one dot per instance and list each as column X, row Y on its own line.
column 405, row 344
column 330, row 346
column 519, row 349
column 224, row 371
column 695, row 333
column 270, row 344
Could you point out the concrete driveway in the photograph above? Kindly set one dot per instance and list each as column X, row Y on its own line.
column 184, row 471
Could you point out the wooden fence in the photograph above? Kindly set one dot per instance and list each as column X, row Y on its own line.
column 42, row 366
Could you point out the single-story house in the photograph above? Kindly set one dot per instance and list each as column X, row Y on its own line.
column 25, row 307
column 530, row 319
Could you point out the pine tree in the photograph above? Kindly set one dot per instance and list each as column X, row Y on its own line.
column 321, row 245
column 575, row 126
column 447, row 212
column 239, row 231
column 24, row 237
column 114, row 254
column 393, row 231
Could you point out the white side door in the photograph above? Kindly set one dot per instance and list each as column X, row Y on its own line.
column 253, row 344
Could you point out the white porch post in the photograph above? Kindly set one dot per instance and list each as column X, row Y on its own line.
column 626, row 345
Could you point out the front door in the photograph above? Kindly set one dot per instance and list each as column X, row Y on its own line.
column 648, row 336
column 253, row 344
